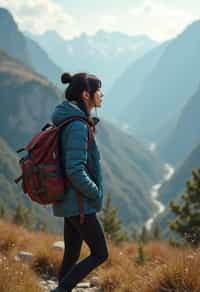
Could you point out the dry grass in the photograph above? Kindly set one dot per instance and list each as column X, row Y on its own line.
column 165, row 269
column 21, row 71
column 18, row 277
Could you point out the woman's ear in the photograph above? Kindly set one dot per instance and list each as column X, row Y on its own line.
column 85, row 95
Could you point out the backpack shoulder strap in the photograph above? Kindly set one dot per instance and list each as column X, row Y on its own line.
column 75, row 118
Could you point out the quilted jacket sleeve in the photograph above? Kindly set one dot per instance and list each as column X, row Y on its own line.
column 75, row 159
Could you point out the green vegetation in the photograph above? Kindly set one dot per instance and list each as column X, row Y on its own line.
column 23, row 216
column 112, row 224
column 173, row 189
column 187, row 221
column 140, row 258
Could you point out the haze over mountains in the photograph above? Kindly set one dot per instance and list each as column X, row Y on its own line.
column 106, row 53
column 157, row 95
column 129, row 172
column 42, row 63
column 182, row 148
column 186, row 135
column 171, row 81
column 14, row 42
column 27, row 101
column 157, row 98
column 16, row 45
column 129, row 84
column 33, row 100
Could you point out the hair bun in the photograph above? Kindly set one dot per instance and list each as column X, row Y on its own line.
column 66, row 78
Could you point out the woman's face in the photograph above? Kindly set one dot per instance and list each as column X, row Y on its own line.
column 92, row 100
column 97, row 98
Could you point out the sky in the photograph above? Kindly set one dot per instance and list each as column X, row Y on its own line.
column 159, row 19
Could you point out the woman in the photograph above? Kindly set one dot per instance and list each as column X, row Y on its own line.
column 82, row 95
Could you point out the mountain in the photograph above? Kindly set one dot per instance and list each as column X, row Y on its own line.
column 185, row 136
column 27, row 101
column 9, row 169
column 129, row 172
column 129, row 84
column 42, row 64
column 51, row 42
column 172, row 190
column 27, row 51
column 167, row 89
column 12, row 40
column 176, row 184
column 106, row 53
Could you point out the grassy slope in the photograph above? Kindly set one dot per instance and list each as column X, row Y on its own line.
column 161, row 268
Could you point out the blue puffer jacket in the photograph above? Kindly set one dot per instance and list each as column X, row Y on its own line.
column 74, row 155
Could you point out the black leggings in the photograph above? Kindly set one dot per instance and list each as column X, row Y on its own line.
column 91, row 231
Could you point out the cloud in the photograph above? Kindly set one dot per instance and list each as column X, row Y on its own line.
column 155, row 18
column 38, row 16
column 161, row 21
column 108, row 21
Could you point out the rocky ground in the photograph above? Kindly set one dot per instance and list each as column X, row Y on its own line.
column 49, row 284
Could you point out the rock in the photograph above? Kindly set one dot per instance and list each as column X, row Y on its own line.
column 94, row 289
column 24, row 256
column 16, row 258
column 42, row 283
column 59, row 245
column 50, row 282
column 83, row 285
column 45, row 276
column 48, row 285
column 94, row 281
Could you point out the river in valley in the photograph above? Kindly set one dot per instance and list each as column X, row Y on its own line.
column 154, row 193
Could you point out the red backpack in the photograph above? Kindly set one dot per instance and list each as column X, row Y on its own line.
column 42, row 177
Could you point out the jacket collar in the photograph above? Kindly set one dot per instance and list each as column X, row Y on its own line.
column 75, row 104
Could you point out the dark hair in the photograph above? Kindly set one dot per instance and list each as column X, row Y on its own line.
column 77, row 84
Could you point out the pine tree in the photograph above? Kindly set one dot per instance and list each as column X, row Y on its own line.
column 18, row 217
column 23, row 216
column 111, row 223
column 187, row 221
column 43, row 226
column 140, row 258
column 133, row 234
column 144, row 235
column 2, row 212
column 155, row 231
column 29, row 219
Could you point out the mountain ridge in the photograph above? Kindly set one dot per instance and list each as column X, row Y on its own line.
column 169, row 86
column 177, row 145
column 14, row 43
column 103, row 54
column 31, row 107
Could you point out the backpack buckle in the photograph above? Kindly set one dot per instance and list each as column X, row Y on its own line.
column 18, row 179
